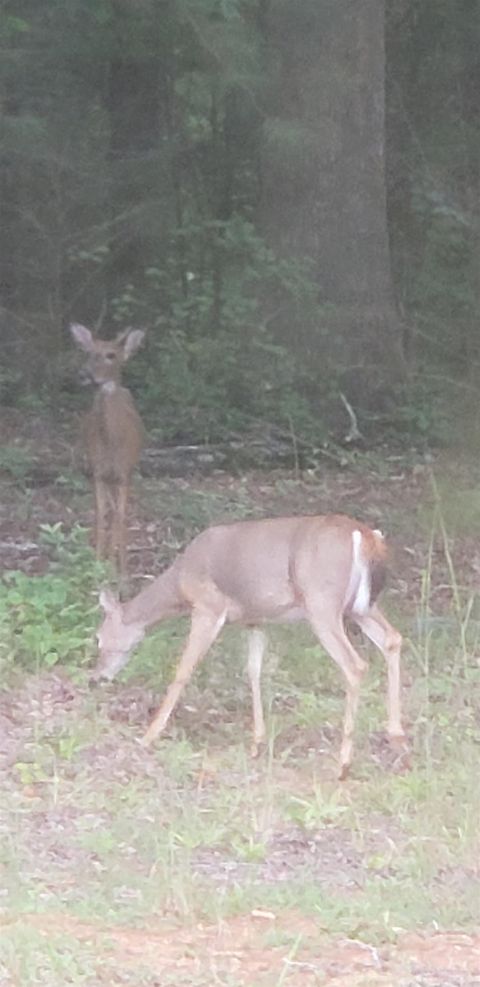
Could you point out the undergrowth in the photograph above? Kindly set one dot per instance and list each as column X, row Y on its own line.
column 50, row 618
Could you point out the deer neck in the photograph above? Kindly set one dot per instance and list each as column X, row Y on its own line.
column 109, row 395
column 159, row 600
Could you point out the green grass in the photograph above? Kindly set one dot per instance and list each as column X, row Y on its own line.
column 136, row 820
column 98, row 831
column 28, row 957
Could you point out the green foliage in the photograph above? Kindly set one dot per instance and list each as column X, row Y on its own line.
column 15, row 461
column 434, row 143
column 49, row 619
column 420, row 414
column 10, row 384
column 445, row 287
column 216, row 362
column 194, row 167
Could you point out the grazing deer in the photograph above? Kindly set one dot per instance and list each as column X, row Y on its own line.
column 318, row 569
column 113, row 435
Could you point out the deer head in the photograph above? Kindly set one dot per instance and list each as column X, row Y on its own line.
column 106, row 357
column 116, row 639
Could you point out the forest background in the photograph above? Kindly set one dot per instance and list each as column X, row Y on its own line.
column 284, row 193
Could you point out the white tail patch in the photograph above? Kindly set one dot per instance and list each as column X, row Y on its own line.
column 358, row 593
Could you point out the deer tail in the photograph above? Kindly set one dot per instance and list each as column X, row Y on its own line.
column 368, row 572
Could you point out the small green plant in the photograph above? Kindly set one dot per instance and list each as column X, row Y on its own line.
column 15, row 462
column 47, row 619
column 29, row 772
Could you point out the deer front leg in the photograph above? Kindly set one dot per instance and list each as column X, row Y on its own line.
column 119, row 533
column 389, row 642
column 256, row 648
column 205, row 627
column 102, row 509
column 331, row 634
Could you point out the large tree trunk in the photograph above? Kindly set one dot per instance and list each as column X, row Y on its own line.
column 324, row 190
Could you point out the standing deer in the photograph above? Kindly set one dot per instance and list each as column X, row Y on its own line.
column 318, row 569
column 113, row 435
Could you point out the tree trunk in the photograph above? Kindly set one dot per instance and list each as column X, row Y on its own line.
column 324, row 189
column 138, row 98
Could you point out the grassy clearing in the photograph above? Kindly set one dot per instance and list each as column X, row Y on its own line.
column 193, row 835
column 31, row 957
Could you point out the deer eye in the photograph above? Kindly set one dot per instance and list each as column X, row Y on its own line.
column 110, row 355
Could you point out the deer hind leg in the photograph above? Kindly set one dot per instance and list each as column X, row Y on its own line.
column 389, row 642
column 256, row 648
column 331, row 634
column 102, row 512
column 204, row 628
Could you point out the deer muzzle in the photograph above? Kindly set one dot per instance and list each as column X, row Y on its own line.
column 107, row 667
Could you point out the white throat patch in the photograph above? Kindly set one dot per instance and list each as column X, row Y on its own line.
column 109, row 387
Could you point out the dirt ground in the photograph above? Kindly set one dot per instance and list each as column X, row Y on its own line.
column 237, row 947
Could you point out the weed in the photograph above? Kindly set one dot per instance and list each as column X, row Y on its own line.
column 47, row 619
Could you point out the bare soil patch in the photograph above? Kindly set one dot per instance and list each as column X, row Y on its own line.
column 237, row 947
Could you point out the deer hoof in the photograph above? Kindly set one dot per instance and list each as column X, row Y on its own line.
column 399, row 743
column 145, row 741
column 257, row 748
column 401, row 748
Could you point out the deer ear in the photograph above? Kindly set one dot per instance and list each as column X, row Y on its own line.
column 132, row 339
column 108, row 601
column 82, row 336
